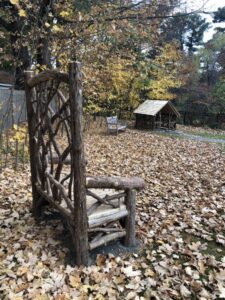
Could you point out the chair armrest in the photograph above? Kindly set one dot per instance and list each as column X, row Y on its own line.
column 112, row 124
column 123, row 123
column 116, row 182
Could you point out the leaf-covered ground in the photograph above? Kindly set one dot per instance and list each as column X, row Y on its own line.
column 180, row 221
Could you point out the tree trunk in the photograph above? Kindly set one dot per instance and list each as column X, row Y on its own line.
column 21, row 54
column 36, row 204
column 43, row 53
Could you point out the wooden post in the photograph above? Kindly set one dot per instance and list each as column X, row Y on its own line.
column 7, row 147
column 79, row 231
column 153, row 124
column 130, row 201
column 17, row 154
column 36, row 205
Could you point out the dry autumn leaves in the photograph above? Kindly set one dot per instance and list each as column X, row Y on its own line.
column 180, row 222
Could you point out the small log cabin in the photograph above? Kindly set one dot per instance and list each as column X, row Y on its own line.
column 154, row 114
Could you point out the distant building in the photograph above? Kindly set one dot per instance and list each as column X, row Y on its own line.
column 154, row 114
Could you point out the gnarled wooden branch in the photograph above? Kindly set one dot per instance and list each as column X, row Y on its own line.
column 106, row 239
column 47, row 75
column 62, row 190
column 91, row 209
column 67, row 161
column 51, row 200
column 116, row 196
column 117, row 183
column 106, row 200
column 101, row 200
column 106, row 219
column 106, row 229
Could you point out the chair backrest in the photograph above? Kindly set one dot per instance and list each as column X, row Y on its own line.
column 112, row 120
column 50, row 182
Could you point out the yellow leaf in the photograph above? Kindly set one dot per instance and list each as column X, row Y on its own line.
column 21, row 271
column 85, row 288
column 56, row 28
column 99, row 297
column 41, row 297
column 14, row 2
column 64, row 13
column 17, row 136
column 47, row 24
column 22, row 13
column 39, row 265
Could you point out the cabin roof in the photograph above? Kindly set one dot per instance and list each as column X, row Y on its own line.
column 152, row 107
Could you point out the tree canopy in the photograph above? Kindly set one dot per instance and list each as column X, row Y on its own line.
column 130, row 50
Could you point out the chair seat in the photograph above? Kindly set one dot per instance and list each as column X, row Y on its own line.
column 122, row 127
column 105, row 213
column 113, row 124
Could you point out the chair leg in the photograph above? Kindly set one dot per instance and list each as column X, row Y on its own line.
column 130, row 201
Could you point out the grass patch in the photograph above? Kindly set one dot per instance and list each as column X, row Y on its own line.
column 213, row 248
column 191, row 135
column 207, row 135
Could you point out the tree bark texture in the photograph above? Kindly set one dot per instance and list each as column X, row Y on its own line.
column 115, row 182
column 130, row 201
column 80, row 230
column 48, row 75
column 36, row 207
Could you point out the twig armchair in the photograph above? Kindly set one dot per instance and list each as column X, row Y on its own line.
column 92, row 206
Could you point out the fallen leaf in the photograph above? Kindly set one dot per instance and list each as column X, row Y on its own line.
column 129, row 272
column 74, row 281
column 184, row 291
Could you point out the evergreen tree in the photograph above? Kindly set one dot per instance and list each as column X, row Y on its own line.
column 188, row 31
column 219, row 17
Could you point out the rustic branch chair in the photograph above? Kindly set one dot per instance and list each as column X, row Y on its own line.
column 114, row 125
column 92, row 206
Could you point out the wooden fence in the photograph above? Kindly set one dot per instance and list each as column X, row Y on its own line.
column 13, row 147
column 13, row 138
column 14, row 152
column 94, row 123
column 12, row 107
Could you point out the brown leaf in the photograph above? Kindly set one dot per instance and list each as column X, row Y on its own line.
column 100, row 260
column 74, row 281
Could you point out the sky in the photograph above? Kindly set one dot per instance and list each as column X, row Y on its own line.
column 209, row 6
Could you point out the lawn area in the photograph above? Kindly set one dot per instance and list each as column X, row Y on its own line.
column 205, row 132
column 180, row 223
